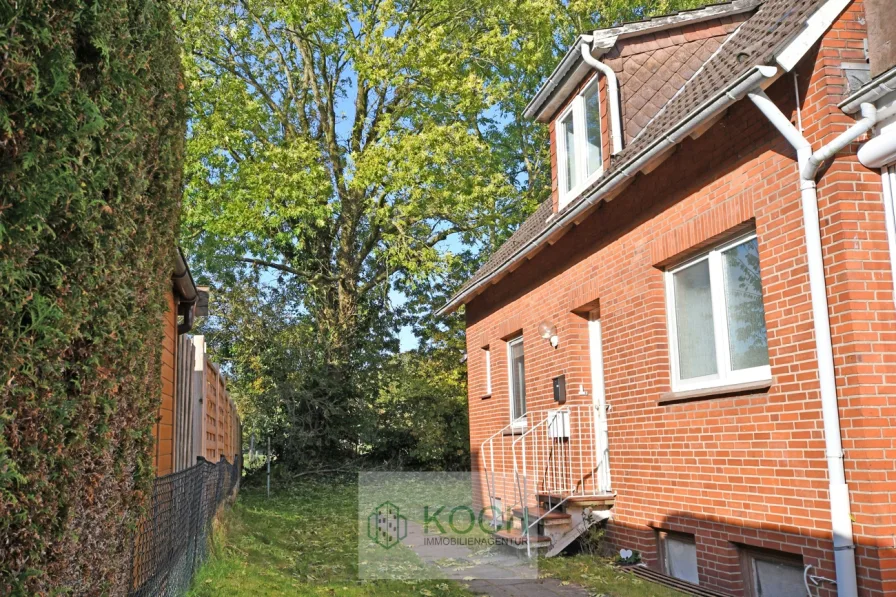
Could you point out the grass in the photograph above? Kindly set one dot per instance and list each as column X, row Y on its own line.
column 600, row 578
column 303, row 541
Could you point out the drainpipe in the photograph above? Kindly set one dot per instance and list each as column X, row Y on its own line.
column 612, row 92
column 809, row 162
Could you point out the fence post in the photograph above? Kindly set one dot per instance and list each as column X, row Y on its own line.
column 269, row 467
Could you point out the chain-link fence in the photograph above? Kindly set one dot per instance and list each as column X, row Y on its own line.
column 172, row 540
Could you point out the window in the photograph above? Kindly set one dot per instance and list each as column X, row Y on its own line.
column 772, row 574
column 517, row 381
column 716, row 318
column 579, row 146
column 488, row 370
column 678, row 555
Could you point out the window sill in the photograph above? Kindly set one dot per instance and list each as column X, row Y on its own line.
column 515, row 431
column 750, row 387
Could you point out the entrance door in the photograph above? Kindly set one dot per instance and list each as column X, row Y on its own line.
column 600, row 402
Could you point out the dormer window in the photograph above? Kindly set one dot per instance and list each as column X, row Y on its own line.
column 579, row 143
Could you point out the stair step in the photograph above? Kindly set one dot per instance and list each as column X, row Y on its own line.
column 516, row 537
column 606, row 499
column 536, row 513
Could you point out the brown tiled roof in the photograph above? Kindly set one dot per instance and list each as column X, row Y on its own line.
column 651, row 69
column 755, row 42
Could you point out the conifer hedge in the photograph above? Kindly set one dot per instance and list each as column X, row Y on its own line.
column 91, row 131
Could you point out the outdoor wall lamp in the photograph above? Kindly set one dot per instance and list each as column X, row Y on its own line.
column 548, row 331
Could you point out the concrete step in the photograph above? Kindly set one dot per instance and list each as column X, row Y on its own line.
column 605, row 500
column 517, row 539
column 536, row 512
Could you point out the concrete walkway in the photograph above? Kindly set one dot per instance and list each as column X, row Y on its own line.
column 492, row 572
column 545, row 587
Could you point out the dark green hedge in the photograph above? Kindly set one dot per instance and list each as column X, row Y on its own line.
column 91, row 133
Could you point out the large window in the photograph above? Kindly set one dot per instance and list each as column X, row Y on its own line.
column 716, row 318
column 517, row 378
column 579, row 143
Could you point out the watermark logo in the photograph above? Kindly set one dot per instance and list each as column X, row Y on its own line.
column 437, row 525
column 386, row 526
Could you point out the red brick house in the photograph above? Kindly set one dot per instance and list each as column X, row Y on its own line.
column 694, row 339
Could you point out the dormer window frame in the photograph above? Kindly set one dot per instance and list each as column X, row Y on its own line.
column 577, row 109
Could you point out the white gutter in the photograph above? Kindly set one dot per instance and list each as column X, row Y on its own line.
column 612, row 92
column 809, row 162
column 880, row 151
column 738, row 89
column 873, row 91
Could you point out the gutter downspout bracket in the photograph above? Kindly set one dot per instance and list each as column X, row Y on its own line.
column 612, row 92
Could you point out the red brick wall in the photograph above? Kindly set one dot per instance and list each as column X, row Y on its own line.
column 749, row 469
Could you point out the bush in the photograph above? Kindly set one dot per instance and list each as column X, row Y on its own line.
column 91, row 130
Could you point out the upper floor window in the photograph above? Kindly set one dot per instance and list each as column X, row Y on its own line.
column 517, row 376
column 717, row 319
column 579, row 156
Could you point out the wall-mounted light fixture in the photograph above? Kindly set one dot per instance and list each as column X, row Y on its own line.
column 548, row 331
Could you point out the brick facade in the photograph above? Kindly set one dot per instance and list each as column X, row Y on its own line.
column 734, row 470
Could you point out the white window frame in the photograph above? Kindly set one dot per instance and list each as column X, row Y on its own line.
column 488, row 370
column 724, row 375
column 888, row 178
column 577, row 108
column 520, row 421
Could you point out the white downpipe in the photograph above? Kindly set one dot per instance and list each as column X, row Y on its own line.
column 809, row 162
column 881, row 150
column 612, row 92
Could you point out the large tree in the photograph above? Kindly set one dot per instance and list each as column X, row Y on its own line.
column 342, row 147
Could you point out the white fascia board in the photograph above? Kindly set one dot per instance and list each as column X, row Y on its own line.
column 816, row 25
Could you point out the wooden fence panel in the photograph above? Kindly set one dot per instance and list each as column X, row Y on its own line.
column 184, row 411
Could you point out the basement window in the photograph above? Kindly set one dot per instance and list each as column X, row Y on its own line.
column 716, row 317
column 517, row 377
column 579, row 157
column 678, row 555
column 770, row 573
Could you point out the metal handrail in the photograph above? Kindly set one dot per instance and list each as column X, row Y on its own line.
column 490, row 487
column 556, row 473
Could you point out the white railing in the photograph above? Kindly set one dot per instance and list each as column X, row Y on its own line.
column 554, row 456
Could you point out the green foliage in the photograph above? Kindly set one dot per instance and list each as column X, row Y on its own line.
column 91, row 134
column 301, row 541
column 280, row 379
column 421, row 419
column 340, row 150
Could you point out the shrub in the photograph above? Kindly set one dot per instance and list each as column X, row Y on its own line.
column 91, row 130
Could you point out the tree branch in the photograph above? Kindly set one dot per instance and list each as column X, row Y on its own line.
column 270, row 264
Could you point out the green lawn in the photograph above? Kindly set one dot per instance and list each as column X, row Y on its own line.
column 303, row 541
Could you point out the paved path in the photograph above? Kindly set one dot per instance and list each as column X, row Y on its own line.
column 492, row 572
column 545, row 587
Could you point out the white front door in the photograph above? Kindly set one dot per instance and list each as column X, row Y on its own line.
column 600, row 402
